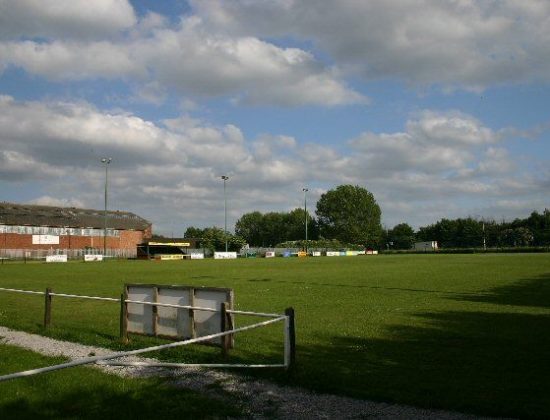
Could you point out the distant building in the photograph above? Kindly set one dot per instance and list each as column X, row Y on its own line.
column 425, row 246
column 34, row 231
column 167, row 246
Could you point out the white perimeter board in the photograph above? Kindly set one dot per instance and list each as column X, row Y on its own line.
column 176, row 323
column 209, row 322
column 140, row 317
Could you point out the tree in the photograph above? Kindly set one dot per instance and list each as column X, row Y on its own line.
column 193, row 232
column 539, row 224
column 350, row 214
column 472, row 233
column 402, row 236
column 295, row 226
column 214, row 239
column 273, row 230
column 249, row 227
column 519, row 236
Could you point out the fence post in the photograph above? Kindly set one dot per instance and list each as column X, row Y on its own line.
column 224, row 327
column 123, row 319
column 192, row 313
column 290, row 342
column 48, row 308
column 154, row 311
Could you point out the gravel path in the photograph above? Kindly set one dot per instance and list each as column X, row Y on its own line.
column 259, row 399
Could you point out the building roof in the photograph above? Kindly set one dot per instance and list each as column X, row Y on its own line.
column 34, row 215
column 178, row 242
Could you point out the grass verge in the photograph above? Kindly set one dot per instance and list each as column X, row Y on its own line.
column 84, row 392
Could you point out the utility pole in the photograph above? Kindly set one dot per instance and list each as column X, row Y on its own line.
column 225, row 178
column 305, row 190
column 106, row 162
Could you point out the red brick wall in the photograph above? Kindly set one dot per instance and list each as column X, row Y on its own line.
column 128, row 239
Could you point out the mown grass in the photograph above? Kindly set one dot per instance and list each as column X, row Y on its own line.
column 83, row 392
column 461, row 332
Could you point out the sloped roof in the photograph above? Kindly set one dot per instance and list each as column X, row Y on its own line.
column 34, row 215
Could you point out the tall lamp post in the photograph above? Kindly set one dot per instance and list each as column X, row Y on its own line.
column 305, row 190
column 106, row 162
column 225, row 178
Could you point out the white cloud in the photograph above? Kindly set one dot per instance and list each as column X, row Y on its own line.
column 432, row 143
column 78, row 133
column 267, row 145
column 59, row 130
column 194, row 60
column 68, row 60
column 188, row 59
column 15, row 166
column 171, row 171
column 452, row 128
column 64, row 18
column 497, row 161
column 227, row 48
column 467, row 43
column 176, row 166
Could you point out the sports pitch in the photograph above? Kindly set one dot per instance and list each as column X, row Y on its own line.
column 458, row 332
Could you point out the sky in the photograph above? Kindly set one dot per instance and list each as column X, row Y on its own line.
column 440, row 108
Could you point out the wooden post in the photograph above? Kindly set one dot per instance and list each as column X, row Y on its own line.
column 154, row 311
column 192, row 332
column 48, row 308
column 230, row 326
column 230, row 319
column 123, row 319
column 290, row 343
column 224, row 327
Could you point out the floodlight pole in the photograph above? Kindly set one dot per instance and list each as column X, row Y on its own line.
column 305, row 190
column 225, row 178
column 484, row 242
column 106, row 162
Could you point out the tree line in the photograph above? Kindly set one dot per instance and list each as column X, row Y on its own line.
column 346, row 215
column 349, row 216
column 471, row 233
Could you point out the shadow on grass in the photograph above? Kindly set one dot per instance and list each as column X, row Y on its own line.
column 494, row 364
column 202, row 277
column 528, row 292
column 154, row 400
column 491, row 363
column 358, row 286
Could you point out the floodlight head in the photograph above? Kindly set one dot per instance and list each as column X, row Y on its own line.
column 106, row 160
column 305, row 189
column 225, row 177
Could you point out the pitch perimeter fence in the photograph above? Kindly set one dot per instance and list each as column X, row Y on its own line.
column 287, row 318
column 72, row 254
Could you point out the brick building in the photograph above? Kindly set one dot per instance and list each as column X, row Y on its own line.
column 35, row 231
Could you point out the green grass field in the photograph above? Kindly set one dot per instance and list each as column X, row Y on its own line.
column 459, row 332
column 89, row 393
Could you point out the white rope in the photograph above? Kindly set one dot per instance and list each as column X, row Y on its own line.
column 170, row 305
column 232, row 311
column 22, row 291
column 183, row 365
column 167, row 305
column 95, row 359
column 85, row 297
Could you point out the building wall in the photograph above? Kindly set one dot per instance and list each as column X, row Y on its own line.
column 128, row 239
